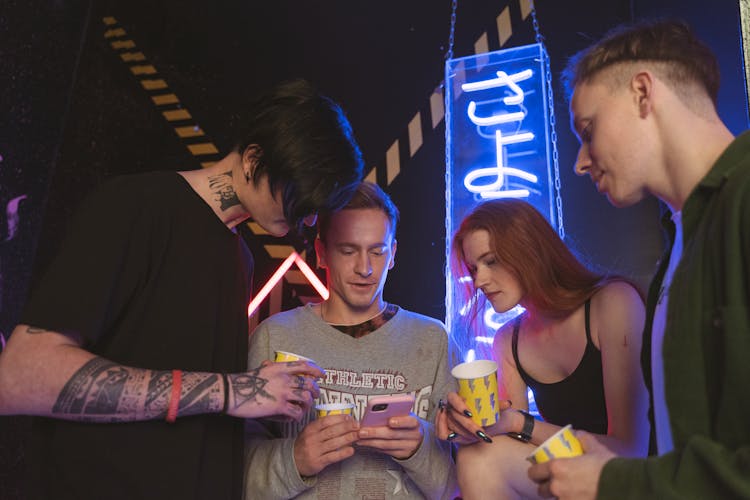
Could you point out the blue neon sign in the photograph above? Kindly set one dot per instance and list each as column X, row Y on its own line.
column 497, row 142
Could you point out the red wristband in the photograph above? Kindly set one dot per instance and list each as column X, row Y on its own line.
column 174, row 398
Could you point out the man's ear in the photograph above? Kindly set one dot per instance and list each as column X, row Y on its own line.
column 392, row 261
column 642, row 85
column 250, row 157
column 320, row 252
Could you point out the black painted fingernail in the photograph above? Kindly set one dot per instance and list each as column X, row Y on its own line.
column 468, row 413
column 452, row 436
column 484, row 437
column 510, row 403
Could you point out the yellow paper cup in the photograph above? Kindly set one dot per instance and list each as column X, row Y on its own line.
column 284, row 356
column 477, row 384
column 562, row 444
column 323, row 410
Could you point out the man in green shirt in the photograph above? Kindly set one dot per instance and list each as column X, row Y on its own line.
column 644, row 108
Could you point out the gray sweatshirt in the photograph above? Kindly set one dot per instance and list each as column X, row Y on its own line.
column 410, row 353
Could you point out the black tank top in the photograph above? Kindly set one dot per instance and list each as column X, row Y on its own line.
column 576, row 400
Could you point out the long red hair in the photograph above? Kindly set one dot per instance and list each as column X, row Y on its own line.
column 553, row 281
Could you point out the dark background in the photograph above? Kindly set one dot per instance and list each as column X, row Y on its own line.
column 72, row 113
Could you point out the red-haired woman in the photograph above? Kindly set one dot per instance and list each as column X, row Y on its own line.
column 577, row 346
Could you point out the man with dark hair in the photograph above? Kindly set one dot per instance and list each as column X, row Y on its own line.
column 368, row 348
column 142, row 316
column 643, row 106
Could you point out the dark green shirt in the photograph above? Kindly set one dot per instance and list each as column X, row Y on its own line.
column 706, row 349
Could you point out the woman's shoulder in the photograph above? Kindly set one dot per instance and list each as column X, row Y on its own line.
column 616, row 293
column 616, row 308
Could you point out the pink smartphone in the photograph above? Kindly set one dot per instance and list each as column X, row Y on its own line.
column 381, row 408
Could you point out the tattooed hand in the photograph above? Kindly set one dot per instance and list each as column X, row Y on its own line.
column 284, row 389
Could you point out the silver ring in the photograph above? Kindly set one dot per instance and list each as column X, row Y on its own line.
column 300, row 382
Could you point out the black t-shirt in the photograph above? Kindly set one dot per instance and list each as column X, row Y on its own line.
column 150, row 278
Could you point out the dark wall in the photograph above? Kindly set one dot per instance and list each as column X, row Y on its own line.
column 89, row 118
column 39, row 50
column 73, row 113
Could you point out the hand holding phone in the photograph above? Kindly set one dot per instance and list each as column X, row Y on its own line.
column 381, row 408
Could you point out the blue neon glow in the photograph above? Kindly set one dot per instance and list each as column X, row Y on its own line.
column 497, row 146
column 497, row 188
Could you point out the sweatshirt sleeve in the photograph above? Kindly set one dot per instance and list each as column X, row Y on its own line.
column 270, row 471
column 702, row 469
column 432, row 467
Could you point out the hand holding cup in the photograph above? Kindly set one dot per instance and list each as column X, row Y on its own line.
column 466, row 415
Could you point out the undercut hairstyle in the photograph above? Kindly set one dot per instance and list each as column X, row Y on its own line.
column 367, row 195
column 678, row 57
column 304, row 144
column 551, row 277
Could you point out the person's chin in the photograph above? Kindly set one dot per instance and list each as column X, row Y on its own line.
column 275, row 230
column 623, row 201
column 500, row 306
column 360, row 301
column 363, row 304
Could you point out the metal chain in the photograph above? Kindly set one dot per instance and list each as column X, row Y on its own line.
column 452, row 35
column 450, row 308
column 555, row 155
column 552, row 122
column 535, row 23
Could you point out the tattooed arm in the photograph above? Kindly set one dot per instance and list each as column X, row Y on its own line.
column 47, row 373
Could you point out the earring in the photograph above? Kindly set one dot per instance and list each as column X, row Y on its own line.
column 247, row 177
